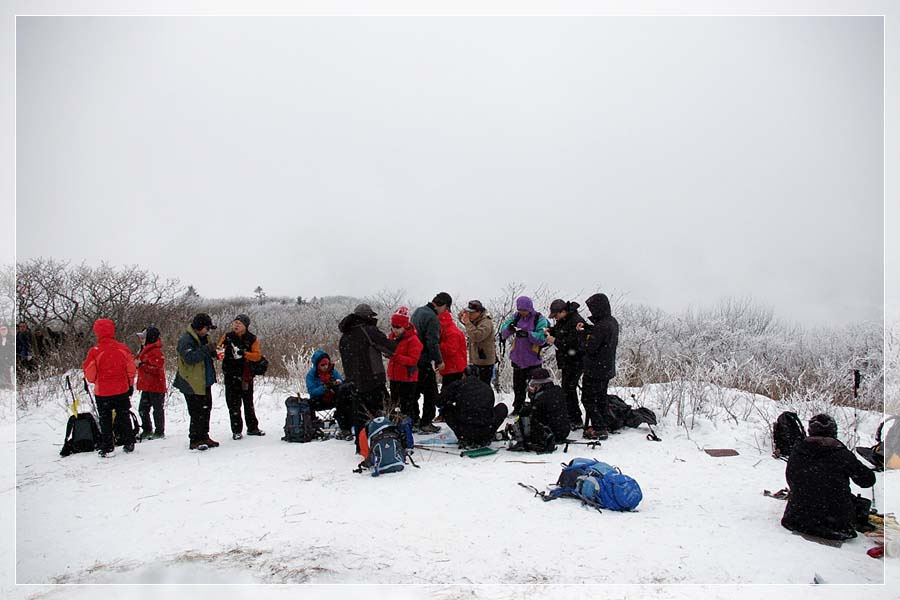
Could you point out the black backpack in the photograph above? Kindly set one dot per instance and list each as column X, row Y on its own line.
column 82, row 435
column 527, row 434
column 259, row 367
column 301, row 424
column 622, row 415
column 787, row 431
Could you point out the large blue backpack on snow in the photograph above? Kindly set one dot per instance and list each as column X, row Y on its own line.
column 388, row 446
column 597, row 484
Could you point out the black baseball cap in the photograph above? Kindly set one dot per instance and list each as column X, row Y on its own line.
column 474, row 306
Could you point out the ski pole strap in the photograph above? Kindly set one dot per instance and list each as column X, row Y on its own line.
column 542, row 495
column 652, row 435
column 411, row 461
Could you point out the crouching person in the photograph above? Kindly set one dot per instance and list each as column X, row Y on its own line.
column 469, row 410
column 327, row 392
column 110, row 367
column 544, row 420
column 818, row 473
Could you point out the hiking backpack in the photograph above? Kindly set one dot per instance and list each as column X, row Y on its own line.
column 386, row 446
column 527, row 434
column 622, row 415
column 300, row 424
column 787, row 431
column 82, row 435
column 596, row 484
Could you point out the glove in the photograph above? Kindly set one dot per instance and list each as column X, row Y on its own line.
column 512, row 327
column 520, row 333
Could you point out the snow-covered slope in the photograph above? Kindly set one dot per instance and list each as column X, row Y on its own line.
column 260, row 510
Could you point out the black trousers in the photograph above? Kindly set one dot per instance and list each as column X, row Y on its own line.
column 235, row 397
column 427, row 387
column 120, row 403
column 478, row 433
column 570, row 376
column 520, row 386
column 367, row 405
column 199, row 408
column 155, row 401
column 405, row 394
column 342, row 405
column 596, row 406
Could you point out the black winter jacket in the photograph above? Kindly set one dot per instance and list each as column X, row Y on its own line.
column 472, row 403
column 362, row 346
column 568, row 351
column 549, row 407
column 599, row 341
column 820, row 502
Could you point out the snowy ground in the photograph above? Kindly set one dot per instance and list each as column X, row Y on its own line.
column 259, row 510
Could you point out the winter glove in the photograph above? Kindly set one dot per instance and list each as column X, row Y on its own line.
column 511, row 327
column 520, row 333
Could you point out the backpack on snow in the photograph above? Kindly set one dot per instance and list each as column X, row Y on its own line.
column 386, row 446
column 596, row 484
column 82, row 435
column 300, row 424
column 622, row 415
column 787, row 431
column 527, row 434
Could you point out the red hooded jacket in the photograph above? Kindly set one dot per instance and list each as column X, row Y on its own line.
column 151, row 372
column 109, row 365
column 453, row 345
column 402, row 365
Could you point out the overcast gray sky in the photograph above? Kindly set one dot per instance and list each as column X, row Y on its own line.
column 676, row 160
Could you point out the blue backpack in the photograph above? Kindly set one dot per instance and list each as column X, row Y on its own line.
column 389, row 446
column 596, row 484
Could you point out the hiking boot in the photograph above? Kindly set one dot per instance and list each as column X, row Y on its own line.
column 258, row 432
column 147, row 435
column 212, row 443
column 438, row 419
column 107, row 453
column 345, row 434
column 159, row 436
column 602, row 433
column 199, row 445
column 129, row 448
column 428, row 429
column 590, row 434
column 236, row 436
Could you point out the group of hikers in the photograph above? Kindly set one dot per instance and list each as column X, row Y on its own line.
column 421, row 345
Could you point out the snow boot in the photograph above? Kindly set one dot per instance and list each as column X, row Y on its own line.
column 199, row 445
column 258, row 432
column 212, row 443
column 236, row 436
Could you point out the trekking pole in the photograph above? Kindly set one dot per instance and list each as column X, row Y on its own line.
column 75, row 402
column 430, row 449
column 91, row 397
column 652, row 435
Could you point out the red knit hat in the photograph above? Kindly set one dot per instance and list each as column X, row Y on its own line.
column 401, row 316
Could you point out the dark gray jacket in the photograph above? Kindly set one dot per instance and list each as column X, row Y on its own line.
column 425, row 319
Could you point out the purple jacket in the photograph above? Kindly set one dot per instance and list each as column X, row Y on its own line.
column 526, row 351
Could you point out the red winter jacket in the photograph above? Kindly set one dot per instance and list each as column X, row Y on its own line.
column 453, row 345
column 151, row 372
column 402, row 365
column 109, row 365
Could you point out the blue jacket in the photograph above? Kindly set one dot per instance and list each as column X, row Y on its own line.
column 314, row 385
